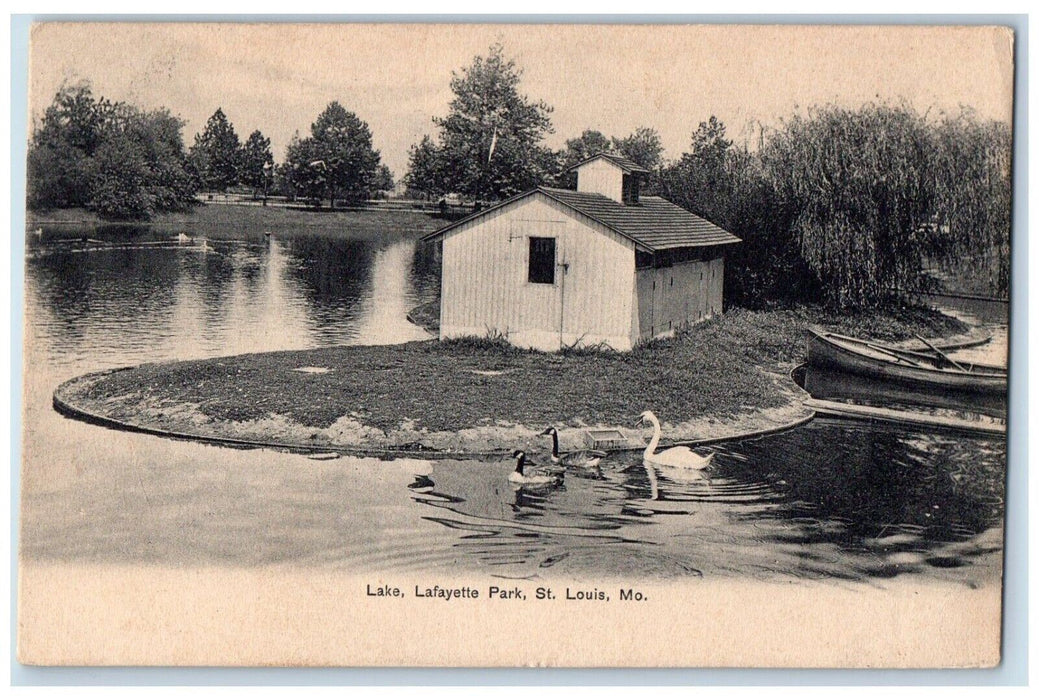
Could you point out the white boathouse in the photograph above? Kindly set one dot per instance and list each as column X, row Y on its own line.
column 600, row 264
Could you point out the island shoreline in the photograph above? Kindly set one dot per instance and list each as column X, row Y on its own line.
column 149, row 406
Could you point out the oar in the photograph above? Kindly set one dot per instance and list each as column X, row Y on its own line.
column 900, row 358
column 897, row 354
column 948, row 359
column 960, row 346
column 877, row 348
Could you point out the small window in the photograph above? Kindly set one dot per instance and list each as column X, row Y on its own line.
column 542, row 268
column 629, row 189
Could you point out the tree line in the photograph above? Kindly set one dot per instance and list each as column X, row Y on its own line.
column 126, row 163
column 853, row 207
column 849, row 206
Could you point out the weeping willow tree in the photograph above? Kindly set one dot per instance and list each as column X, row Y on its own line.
column 860, row 184
column 880, row 194
column 972, row 183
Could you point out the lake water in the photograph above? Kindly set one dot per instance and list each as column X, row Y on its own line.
column 825, row 501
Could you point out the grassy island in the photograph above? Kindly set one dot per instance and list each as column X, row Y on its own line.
column 724, row 377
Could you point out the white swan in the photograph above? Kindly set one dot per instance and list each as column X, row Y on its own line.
column 581, row 459
column 532, row 475
column 675, row 457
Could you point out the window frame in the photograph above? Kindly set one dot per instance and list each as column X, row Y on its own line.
column 530, row 261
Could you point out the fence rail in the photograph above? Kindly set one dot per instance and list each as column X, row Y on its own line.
column 246, row 200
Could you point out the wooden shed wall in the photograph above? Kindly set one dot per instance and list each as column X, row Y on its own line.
column 672, row 297
column 485, row 287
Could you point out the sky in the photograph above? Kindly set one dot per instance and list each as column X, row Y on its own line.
column 614, row 78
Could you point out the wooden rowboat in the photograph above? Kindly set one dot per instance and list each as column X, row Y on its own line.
column 912, row 368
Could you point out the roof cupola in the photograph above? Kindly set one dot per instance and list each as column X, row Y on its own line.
column 612, row 176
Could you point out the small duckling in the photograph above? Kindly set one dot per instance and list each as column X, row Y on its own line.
column 533, row 475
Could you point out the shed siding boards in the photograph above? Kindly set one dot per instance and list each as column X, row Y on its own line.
column 602, row 177
column 596, row 295
column 670, row 298
column 485, row 288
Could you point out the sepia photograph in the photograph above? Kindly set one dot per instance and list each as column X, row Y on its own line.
column 510, row 345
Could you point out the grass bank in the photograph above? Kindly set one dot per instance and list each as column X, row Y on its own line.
column 248, row 218
column 722, row 377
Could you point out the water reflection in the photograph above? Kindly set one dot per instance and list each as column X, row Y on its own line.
column 827, row 384
column 142, row 289
column 823, row 501
column 381, row 312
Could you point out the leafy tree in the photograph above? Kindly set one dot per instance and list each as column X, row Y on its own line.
column 727, row 186
column 157, row 136
column 643, row 147
column 854, row 206
column 120, row 168
column 281, row 183
column 709, row 144
column 426, row 171
column 304, row 172
column 71, row 130
column 110, row 157
column 75, row 118
column 383, row 179
column 139, row 168
column 703, row 179
column 490, row 143
column 56, row 176
column 256, row 162
column 215, row 153
column 336, row 161
column 585, row 146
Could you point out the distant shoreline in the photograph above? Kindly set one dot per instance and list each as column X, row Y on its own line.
column 242, row 217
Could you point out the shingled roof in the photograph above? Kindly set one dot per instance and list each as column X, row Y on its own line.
column 625, row 164
column 654, row 223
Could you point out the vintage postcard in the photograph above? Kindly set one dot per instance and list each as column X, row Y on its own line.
column 515, row 345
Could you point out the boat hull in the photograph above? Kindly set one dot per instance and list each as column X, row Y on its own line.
column 825, row 351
